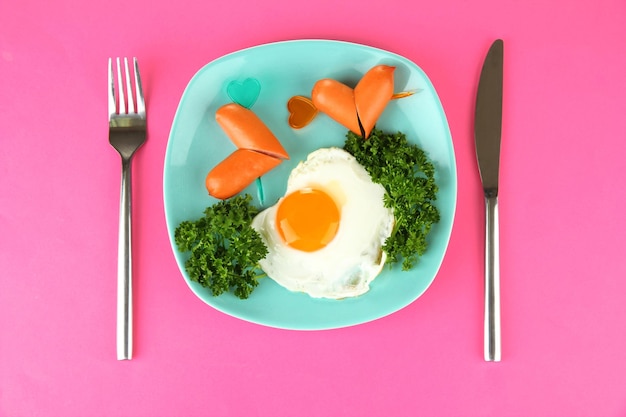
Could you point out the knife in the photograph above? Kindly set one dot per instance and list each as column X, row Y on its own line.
column 487, row 135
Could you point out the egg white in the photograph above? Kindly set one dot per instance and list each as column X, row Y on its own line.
column 350, row 262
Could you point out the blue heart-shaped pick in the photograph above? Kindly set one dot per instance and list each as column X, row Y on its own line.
column 244, row 93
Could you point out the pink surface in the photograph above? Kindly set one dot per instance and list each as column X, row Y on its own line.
column 562, row 206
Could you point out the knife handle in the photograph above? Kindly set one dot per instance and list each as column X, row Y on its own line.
column 493, row 348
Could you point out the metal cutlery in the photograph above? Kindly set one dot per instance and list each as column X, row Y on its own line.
column 127, row 132
column 487, row 135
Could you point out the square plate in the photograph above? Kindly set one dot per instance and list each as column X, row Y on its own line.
column 285, row 69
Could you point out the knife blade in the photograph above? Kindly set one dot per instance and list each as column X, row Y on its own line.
column 487, row 137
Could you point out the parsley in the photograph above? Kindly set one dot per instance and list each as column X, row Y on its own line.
column 225, row 249
column 408, row 176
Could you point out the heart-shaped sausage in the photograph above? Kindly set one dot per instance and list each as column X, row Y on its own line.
column 258, row 151
column 357, row 109
column 301, row 111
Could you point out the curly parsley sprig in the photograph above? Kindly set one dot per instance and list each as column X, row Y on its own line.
column 225, row 249
column 408, row 176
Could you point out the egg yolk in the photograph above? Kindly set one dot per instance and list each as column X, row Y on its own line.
column 307, row 219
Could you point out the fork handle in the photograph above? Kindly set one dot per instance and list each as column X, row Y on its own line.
column 124, row 269
column 492, row 343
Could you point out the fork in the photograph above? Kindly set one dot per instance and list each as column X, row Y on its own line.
column 127, row 132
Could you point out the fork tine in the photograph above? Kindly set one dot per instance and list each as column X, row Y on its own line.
column 111, row 88
column 129, row 90
column 120, row 86
column 141, row 103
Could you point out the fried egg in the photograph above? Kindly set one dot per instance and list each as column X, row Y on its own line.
column 325, row 236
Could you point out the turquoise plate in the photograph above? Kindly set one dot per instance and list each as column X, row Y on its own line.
column 283, row 70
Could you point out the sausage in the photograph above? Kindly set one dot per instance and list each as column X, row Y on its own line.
column 247, row 131
column 237, row 171
column 358, row 107
column 372, row 94
column 337, row 101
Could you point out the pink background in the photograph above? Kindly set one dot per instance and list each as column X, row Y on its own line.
column 562, row 205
